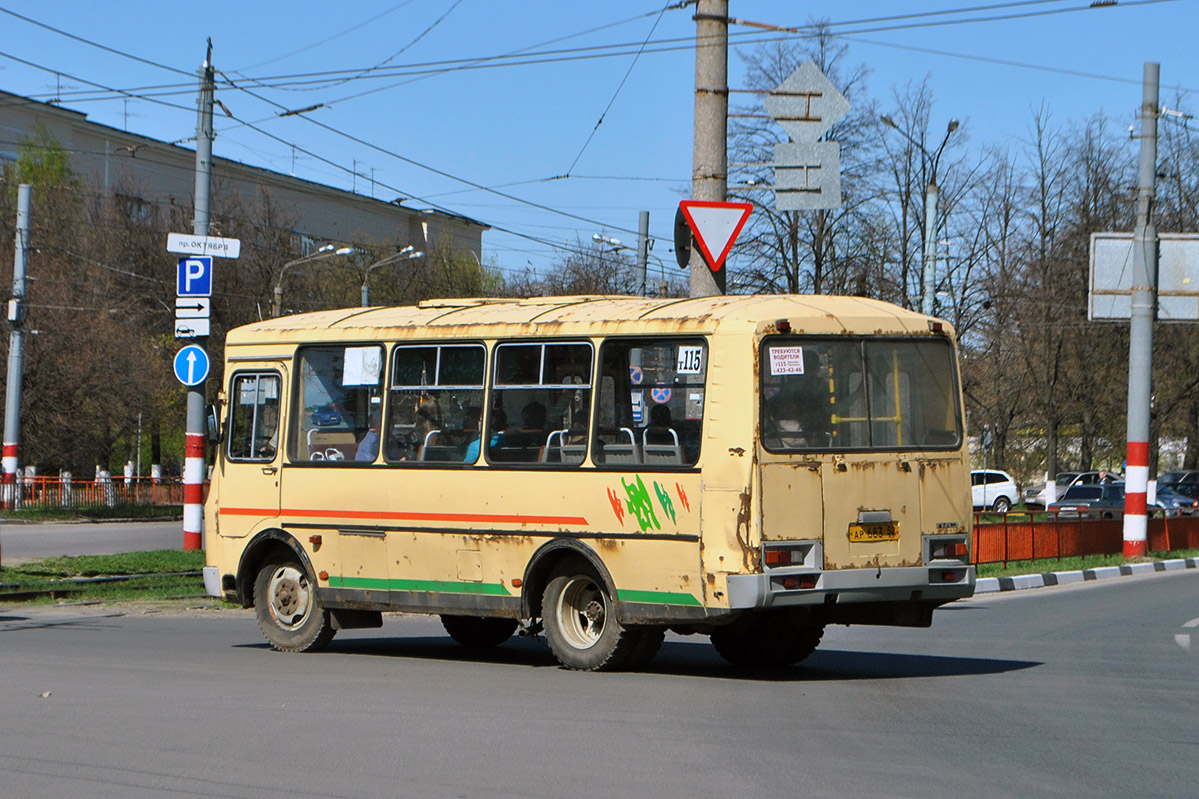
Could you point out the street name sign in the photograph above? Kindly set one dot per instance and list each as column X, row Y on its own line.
column 807, row 171
column 190, row 244
column 716, row 226
column 191, row 365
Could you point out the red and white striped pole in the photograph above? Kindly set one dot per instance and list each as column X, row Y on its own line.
column 16, row 347
column 1140, row 327
column 193, row 452
column 193, row 491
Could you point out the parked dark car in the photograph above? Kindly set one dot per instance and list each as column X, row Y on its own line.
column 1178, row 478
column 1177, row 501
column 1091, row 501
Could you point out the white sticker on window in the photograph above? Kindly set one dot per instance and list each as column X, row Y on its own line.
column 691, row 360
column 786, row 361
column 363, row 366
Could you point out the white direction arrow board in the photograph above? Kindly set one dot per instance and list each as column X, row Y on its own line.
column 192, row 307
column 189, row 244
column 191, row 365
column 807, row 171
column 716, row 226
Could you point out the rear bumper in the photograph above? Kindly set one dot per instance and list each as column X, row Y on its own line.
column 937, row 582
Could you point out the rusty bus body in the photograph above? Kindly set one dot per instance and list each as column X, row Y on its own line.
column 600, row 468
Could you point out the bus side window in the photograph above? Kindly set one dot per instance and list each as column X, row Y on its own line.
column 434, row 404
column 651, row 404
column 339, row 404
column 543, row 393
column 253, row 430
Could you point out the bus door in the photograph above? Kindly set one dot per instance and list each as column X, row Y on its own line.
column 250, row 469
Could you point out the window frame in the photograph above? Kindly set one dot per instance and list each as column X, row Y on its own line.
column 862, row 341
column 388, row 400
column 495, row 389
column 297, row 413
column 258, row 374
column 690, row 338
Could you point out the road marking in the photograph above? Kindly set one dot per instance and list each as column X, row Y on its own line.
column 1192, row 623
column 1184, row 641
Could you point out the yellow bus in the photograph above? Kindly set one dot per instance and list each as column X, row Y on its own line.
column 597, row 469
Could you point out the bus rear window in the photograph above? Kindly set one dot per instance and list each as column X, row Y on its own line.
column 858, row 394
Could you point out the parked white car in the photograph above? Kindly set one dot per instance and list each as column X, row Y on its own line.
column 994, row 490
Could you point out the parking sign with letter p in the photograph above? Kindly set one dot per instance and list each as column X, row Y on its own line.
column 194, row 278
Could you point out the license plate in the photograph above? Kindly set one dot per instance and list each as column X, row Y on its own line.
column 875, row 531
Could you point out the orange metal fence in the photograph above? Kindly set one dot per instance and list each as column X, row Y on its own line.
column 1019, row 537
column 55, row 492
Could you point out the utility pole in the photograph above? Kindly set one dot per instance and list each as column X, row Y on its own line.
column 709, row 164
column 928, row 291
column 16, row 344
column 642, row 250
column 193, row 454
column 1140, row 325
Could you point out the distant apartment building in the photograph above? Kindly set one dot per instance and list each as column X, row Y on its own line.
column 147, row 173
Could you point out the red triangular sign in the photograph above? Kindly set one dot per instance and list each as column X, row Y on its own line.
column 716, row 226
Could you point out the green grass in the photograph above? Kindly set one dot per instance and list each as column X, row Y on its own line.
column 42, row 514
column 1045, row 565
column 154, row 575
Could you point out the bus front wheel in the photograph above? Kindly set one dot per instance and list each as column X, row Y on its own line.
column 769, row 639
column 289, row 609
column 581, row 627
column 475, row 632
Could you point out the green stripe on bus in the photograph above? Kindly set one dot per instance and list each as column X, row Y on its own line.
column 430, row 586
column 657, row 598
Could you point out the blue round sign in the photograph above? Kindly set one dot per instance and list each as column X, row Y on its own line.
column 191, row 365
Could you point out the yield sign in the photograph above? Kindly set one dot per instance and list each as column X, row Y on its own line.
column 716, row 226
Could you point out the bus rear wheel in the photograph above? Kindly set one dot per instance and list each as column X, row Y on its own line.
column 581, row 627
column 770, row 639
column 477, row 632
column 289, row 609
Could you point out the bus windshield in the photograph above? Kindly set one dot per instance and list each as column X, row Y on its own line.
column 858, row 394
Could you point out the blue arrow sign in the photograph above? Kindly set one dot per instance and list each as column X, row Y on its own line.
column 191, row 365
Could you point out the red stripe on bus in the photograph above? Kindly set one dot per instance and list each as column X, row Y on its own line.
column 500, row 518
column 1135, row 504
column 1138, row 453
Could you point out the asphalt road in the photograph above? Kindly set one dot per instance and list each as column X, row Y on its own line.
column 21, row 542
column 1084, row 690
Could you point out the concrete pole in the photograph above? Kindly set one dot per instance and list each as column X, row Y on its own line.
column 709, row 164
column 642, row 250
column 194, row 470
column 16, row 351
column 929, row 290
column 1140, row 326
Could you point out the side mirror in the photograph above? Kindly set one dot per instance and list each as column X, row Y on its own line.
column 212, row 424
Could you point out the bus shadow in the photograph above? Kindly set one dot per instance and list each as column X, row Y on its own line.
column 688, row 659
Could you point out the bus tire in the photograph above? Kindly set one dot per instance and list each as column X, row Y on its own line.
column 766, row 640
column 289, row 609
column 646, row 648
column 476, row 632
column 580, row 623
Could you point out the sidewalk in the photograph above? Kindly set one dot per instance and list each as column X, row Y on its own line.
column 986, row 585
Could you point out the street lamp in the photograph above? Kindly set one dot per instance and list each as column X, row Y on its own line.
column 406, row 254
column 324, row 253
column 640, row 254
column 931, row 195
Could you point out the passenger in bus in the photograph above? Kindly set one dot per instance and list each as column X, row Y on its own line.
column 659, row 429
column 474, row 423
column 368, row 447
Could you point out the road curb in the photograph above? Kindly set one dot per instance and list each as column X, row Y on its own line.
column 988, row 585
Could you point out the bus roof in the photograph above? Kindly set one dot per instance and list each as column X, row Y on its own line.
column 593, row 314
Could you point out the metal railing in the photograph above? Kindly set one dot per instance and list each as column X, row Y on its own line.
column 1033, row 535
column 58, row 492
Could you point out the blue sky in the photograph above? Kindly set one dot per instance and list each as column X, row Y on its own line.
column 517, row 127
